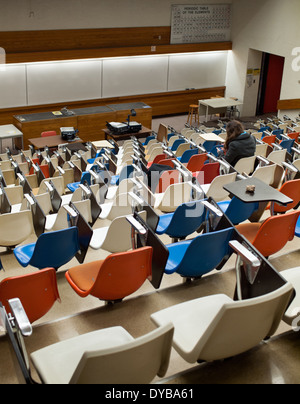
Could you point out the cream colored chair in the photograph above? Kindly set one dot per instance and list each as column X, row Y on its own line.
column 15, row 228
column 292, row 315
column 107, row 356
column 216, row 327
column 278, row 156
column 216, row 190
column 245, row 165
column 114, row 238
column 120, row 206
column 15, row 196
column 175, row 195
column 265, row 174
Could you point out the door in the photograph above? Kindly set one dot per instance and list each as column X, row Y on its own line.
column 270, row 86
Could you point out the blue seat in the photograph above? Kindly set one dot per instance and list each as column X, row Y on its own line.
column 125, row 173
column 86, row 177
column 52, row 250
column 176, row 144
column 186, row 219
column 297, row 230
column 278, row 133
column 185, row 158
column 209, row 145
column 148, row 138
column 238, row 211
column 287, row 144
column 197, row 257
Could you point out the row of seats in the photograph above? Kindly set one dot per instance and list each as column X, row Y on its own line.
column 87, row 278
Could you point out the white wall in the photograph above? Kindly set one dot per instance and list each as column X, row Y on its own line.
column 270, row 26
column 19, row 15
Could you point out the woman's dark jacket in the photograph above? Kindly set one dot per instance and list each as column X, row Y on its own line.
column 243, row 146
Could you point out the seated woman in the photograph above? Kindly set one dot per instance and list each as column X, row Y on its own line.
column 239, row 144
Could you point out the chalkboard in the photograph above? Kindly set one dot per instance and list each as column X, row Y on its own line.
column 63, row 81
column 200, row 23
column 133, row 76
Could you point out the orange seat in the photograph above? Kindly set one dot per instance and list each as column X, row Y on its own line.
column 292, row 190
column 48, row 133
column 196, row 162
column 294, row 135
column 167, row 162
column 114, row 278
column 269, row 139
column 37, row 292
column 272, row 235
column 44, row 168
column 167, row 178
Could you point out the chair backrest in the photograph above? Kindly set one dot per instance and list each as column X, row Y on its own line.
column 241, row 325
column 121, row 274
column 166, row 179
column 292, row 190
column 186, row 156
column 187, row 218
column 275, row 232
column 287, row 144
column 137, row 362
column 278, row 156
column 245, row 165
column 175, row 195
column 176, row 144
column 196, row 162
column 37, row 292
column 216, row 190
column 238, row 211
column 205, row 253
column 56, row 248
column 269, row 139
column 208, row 173
column 265, row 174
column 182, row 148
column 15, row 228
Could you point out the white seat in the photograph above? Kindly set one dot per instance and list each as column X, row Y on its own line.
column 116, row 237
column 108, row 356
column 293, row 312
column 216, row 327
column 245, row 165
column 15, row 228
column 216, row 190
column 278, row 156
column 175, row 195
column 265, row 174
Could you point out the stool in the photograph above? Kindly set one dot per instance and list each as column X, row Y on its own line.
column 193, row 114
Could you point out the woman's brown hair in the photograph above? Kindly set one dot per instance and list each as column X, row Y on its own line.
column 234, row 129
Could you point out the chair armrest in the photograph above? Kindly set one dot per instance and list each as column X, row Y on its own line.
column 136, row 225
column 20, row 317
column 245, row 254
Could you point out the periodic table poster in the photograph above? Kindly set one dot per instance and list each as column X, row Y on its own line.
column 200, row 23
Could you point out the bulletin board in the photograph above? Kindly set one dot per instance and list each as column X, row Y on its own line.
column 200, row 23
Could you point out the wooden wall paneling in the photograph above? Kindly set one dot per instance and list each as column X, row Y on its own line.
column 288, row 104
column 90, row 126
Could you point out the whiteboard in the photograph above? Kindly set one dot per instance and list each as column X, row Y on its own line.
column 196, row 71
column 63, row 81
column 133, row 76
column 12, row 86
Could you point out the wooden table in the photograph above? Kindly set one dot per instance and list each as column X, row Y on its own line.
column 50, row 141
column 142, row 133
column 88, row 121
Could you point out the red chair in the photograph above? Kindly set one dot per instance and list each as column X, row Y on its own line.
column 166, row 179
column 196, row 162
column 272, row 235
column 37, row 292
column 44, row 168
column 167, row 162
column 156, row 160
column 48, row 133
column 208, row 173
column 294, row 136
column 118, row 276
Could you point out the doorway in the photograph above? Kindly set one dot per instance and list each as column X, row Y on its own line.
column 270, row 83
